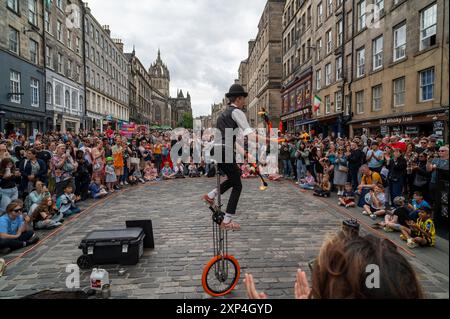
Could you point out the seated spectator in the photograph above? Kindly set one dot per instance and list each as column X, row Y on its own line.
column 179, row 169
column 420, row 233
column 324, row 188
column 398, row 218
column 167, row 172
column 416, row 205
column 150, row 173
column 331, row 278
column 202, row 168
column 14, row 233
column 369, row 180
column 97, row 190
column 66, row 202
column 9, row 175
column 308, row 182
column 374, row 202
column 46, row 216
column 35, row 198
column 193, row 171
column 245, row 169
column 348, row 197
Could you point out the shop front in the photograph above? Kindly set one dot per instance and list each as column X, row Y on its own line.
column 26, row 124
column 412, row 124
column 297, row 104
column 332, row 125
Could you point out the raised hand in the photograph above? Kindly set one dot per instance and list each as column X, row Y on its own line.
column 252, row 293
column 301, row 289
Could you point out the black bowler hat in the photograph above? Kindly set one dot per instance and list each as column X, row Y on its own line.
column 236, row 90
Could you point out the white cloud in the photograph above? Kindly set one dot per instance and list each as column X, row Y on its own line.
column 201, row 41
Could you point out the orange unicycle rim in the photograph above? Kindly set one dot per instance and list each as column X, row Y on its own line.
column 210, row 264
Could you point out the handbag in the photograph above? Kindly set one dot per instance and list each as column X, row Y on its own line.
column 343, row 169
column 419, row 180
column 135, row 160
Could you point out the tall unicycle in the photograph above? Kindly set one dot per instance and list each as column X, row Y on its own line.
column 222, row 272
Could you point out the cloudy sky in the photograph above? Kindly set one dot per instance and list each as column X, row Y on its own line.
column 201, row 41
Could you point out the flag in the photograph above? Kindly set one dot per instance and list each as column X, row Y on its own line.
column 317, row 103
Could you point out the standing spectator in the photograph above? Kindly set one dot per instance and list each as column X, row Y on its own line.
column 82, row 176
column 434, row 166
column 421, row 177
column 340, row 171
column 157, row 154
column 355, row 160
column 397, row 173
column 110, row 172
column 375, row 158
column 63, row 166
column 411, row 158
column 314, row 161
column 32, row 170
column 117, row 155
column 126, row 160
column 293, row 150
column 285, row 156
column 302, row 156
column 4, row 152
column 395, row 143
column 8, row 187
column 422, row 147
column 98, row 156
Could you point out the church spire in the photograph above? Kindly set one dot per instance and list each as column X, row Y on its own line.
column 159, row 55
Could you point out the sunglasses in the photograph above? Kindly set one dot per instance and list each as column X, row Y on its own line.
column 18, row 210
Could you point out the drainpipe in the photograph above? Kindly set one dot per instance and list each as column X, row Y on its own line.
column 350, row 111
column 84, row 64
column 44, row 45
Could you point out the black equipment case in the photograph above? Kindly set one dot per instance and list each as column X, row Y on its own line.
column 121, row 246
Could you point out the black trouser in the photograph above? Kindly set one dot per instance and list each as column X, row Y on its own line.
column 233, row 173
column 353, row 177
column 17, row 243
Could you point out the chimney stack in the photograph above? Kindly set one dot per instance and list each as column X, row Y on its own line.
column 119, row 44
column 107, row 30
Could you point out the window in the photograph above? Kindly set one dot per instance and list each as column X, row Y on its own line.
column 58, row 94
column 308, row 49
column 338, row 101
column 13, row 40
column 329, row 41
column 399, row 92
column 361, row 15
column 69, row 39
column 318, row 49
column 69, row 68
column 318, row 79
column 428, row 20
column 328, row 74
column 327, row 104
column 13, row 5
column 14, row 83
column 74, row 100
column 48, row 57
column 400, row 42
column 32, row 12
column 92, row 54
column 49, row 93
column 47, row 21
column 59, row 4
column 360, row 102
column 77, row 45
column 59, row 30
column 360, row 62
column 67, row 99
column 319, row 14
column 426, row 85
column 339, row 68
column 347, row 100
column 34, row 47
column 60, row 63
column 339, row 33
column 309, row 17
column 329, row 7
column 379, row 8
column 377, row 92
column 377, row 46
column 34, row 92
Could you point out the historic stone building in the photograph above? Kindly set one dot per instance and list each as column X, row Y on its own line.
column 22, row 74
column 140, row 91
column 298, row 49
column 265, row 65
column 179, row 106
column 107, row 92
column 64, row 61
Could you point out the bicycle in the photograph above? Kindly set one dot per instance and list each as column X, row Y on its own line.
column 221, row 274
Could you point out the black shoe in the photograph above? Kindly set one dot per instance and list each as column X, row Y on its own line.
column 33, row 240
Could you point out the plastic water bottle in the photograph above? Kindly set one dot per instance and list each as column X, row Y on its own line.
column 99, row 278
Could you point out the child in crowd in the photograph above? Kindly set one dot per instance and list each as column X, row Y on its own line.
column 167, row 172
column 416, row 205
column 324, row 188
column 193, row 171
column 46, row 215
column 202, row 168
column 66, row 202
column 97, row 190
column 375, row 201
column 179, row 169
column 150, row 172
column 420, row 233
column 308, row 182
column 397, row 218
column 111, row 178
column 137, row 175
column 348, row 197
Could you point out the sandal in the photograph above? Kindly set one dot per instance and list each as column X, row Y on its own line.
column 233, row 226
column 2, row 267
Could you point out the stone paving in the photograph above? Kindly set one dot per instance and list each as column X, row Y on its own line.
column 283, row 229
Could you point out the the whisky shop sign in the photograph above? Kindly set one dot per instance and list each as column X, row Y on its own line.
column 397, row 120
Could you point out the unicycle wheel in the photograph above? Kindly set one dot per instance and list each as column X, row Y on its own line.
column 218, row 282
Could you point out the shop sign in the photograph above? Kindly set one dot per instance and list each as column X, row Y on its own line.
column 384, row 130
column 396, row 120
column 438, row 128
column 396, row 129
column 411, row 130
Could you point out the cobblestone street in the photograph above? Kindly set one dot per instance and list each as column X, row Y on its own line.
column 282, row 229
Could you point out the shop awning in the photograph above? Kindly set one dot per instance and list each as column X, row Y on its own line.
column 306, row 122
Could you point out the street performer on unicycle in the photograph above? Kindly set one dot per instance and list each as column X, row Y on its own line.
column 232, row 118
